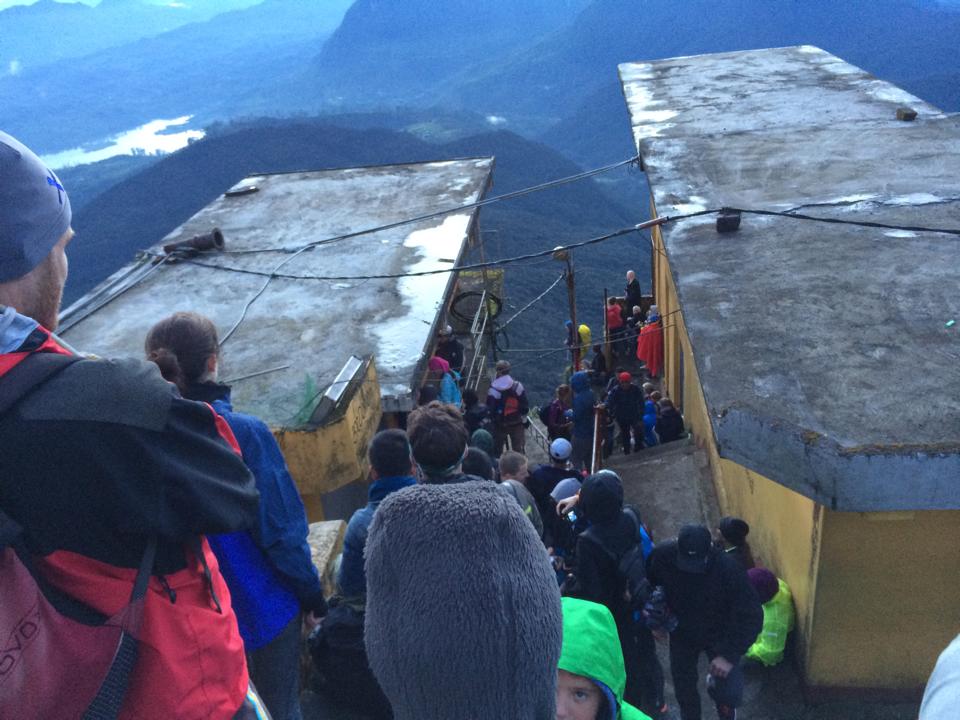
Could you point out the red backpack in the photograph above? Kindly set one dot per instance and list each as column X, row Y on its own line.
column 58, row 657
column 510, row 406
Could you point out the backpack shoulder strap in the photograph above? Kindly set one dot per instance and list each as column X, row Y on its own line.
column 591, row 534
column 29, row 373
column 634, row 517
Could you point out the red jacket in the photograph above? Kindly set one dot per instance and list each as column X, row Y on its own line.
column 650, row 347
column 614, row 318
column 98, row 459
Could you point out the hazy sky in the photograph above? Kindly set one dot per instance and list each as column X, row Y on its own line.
column 7, row 3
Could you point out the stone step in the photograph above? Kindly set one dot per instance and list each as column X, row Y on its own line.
column 326, row 541
column 670, row 484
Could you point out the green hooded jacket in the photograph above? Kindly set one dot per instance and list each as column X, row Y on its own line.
column 591, row 648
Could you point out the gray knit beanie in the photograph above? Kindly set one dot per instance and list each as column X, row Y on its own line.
column 34, row 209
column 463, row 610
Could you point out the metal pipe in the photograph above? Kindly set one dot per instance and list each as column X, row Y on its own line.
column 212, row 240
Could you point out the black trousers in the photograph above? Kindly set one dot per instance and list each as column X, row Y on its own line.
column 625, row 428
column 644, row 675
column 683, row 667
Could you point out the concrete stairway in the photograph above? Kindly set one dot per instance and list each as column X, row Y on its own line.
column 670, row 484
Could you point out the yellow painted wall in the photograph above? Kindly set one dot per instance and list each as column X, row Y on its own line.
column 329, row 457
column 888, row 598
column 785, row 527
column 876, row 594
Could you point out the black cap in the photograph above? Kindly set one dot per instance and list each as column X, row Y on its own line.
column 693, row 547
column 734, row 530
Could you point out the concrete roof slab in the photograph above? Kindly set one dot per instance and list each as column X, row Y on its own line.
column 314, row 326
column 823, row 350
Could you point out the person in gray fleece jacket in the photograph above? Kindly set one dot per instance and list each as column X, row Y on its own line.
column 463, row 609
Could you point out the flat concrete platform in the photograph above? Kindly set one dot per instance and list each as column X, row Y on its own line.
column 801, row 330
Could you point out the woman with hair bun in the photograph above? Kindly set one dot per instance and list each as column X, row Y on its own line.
column 269, row 571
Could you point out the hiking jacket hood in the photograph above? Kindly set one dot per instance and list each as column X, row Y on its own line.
column 591, row 648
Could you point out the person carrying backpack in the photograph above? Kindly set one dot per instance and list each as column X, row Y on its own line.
column 610, row 571
column 509, row 406
column 109, row 481
column 557, row 417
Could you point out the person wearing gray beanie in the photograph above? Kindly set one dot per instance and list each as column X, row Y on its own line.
column 463, row 609
column 104, row 467
column 34, row 231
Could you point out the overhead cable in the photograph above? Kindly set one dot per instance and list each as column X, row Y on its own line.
column 532, row 302
column 447, row 211
column 454, row 268
column 840, row 221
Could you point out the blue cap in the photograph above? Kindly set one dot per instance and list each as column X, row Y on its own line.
column 34, row 209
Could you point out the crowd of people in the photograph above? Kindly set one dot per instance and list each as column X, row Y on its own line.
column 153, row 538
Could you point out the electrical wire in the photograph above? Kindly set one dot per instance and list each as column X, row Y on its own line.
column 393, row 276
column 447, row 211
column 554, row 349
column 389, row 276
column 456, row 268
column 85, row 312
column 840, row 221
column 532, row 302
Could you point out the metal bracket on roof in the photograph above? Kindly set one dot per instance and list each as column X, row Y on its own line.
column 728, row 220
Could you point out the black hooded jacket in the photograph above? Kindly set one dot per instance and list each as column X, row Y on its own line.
column 718, row 611
column 597, row 576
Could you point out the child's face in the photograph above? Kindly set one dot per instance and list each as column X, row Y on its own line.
column 577, row 697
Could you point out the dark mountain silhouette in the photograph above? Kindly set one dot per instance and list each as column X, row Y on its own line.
column 907, row 42
column 71, row 30
column 388, row 51
column 143, row 207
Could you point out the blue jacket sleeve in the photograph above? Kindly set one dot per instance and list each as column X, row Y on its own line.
column 282, row 530
column 351, row 577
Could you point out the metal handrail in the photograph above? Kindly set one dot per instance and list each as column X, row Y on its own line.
column 478, row 331
column 480, row 309
column 596, row 457
column 538, row 435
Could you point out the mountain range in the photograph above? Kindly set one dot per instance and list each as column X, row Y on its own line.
column 81, row 29
column 217, row 69
column 544, row 68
